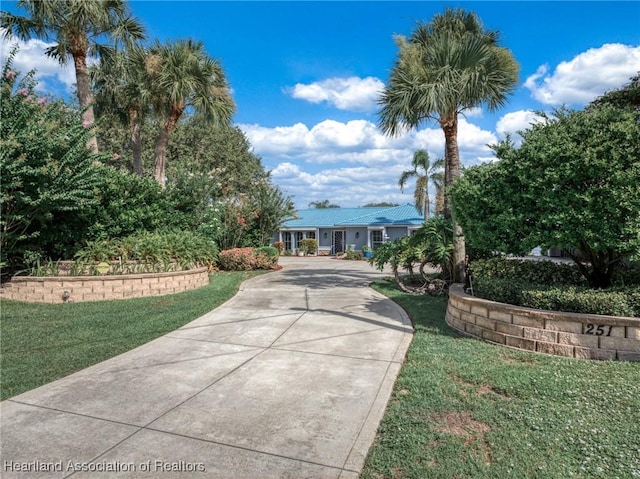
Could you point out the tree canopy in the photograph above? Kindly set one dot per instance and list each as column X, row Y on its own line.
column 573, row 183
column 80, row 29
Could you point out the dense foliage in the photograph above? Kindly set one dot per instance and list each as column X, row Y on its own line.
column 58, row 198
column 48, row 175
column 553, row 286
column 573, row 183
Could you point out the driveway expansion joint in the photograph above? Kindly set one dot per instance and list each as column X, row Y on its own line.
column 304, row 402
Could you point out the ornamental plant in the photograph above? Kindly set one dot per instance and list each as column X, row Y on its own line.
column 309, row 246
column 47, row 172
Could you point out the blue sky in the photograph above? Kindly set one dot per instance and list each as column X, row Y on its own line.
column 306, row 75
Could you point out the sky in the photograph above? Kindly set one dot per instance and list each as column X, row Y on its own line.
column 306, row 77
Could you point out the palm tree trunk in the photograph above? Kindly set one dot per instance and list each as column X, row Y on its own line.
column 426, row 202
column 161, row 145
column 136, row 140
column 84, row 96
column 451, row 172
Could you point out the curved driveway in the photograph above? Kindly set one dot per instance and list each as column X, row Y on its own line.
column 289, row 379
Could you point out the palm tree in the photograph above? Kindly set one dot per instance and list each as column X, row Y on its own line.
column 121, row 85
column 444, row 68
column 431, row 172
column 77, row 27
column 185, row 77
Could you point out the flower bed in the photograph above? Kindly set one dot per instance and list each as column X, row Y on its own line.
column 587, row 336
column 60, row 289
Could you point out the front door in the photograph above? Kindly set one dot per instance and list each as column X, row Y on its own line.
column 337, row 246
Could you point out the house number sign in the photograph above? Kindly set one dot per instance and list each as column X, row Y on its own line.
column 598, row 329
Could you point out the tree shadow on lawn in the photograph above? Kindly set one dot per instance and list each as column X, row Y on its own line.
column 427, row 313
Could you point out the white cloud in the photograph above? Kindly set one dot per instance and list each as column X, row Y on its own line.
column 585, row 77
column 352, row 93
column 516, row 121
column 49, row 72
column 347, row 186
column 353, row 163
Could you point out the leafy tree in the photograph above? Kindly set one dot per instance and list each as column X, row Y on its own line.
column 222, row 153
column 322, row 204
column 573, row 183
column 444, row 68
column 626, row 97
column 47, row 172
column 430, row 171
column 186, row 78
column 128, row 204
column 270, row 207
column 78, row 29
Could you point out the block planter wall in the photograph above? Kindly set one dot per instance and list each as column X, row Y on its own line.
column 51, row 289
column 573, row 335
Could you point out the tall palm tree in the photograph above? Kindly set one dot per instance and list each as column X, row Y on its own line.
column 77, row 27
column 444, row 68
column 185, row 77
column 431, row 172
column 121, row 85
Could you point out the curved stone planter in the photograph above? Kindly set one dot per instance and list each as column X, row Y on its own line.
column 51, row 289
column 586, row 336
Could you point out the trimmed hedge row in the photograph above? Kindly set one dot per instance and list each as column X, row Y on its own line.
column 552, row 286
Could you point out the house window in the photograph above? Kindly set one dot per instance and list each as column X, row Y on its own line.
column 286, row 239
column 376, row 238
column 311, row 234
column 299, row 238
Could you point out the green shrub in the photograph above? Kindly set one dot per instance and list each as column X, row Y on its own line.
column 266, row 257
column 627, row 274
column 553, row 286
column 309, row 246
column 537, row 272
column 270, row 251
column 128, row 204
column 576, row 299
column 502, row 290
column 353, row 255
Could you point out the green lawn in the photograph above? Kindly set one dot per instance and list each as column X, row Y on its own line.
column 43, row 342
column 464, row 409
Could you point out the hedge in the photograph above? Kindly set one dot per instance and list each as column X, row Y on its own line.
column 552, row 286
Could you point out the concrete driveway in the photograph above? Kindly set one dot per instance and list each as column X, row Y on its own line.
column 289, row 379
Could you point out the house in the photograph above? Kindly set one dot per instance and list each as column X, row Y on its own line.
column 338, row 229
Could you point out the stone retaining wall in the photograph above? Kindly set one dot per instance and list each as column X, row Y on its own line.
column 100, row 288
column 587, row 336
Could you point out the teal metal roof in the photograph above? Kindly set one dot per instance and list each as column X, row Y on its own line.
column 404, row 215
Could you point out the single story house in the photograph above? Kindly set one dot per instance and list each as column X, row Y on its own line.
column 338, row 229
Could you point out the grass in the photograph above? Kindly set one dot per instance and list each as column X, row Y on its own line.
column 466, row 409
column 44, row 342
